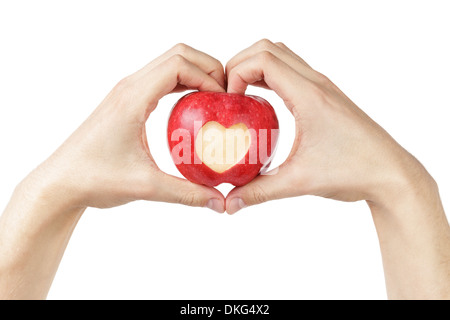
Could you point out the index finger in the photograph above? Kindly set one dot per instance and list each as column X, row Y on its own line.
column 279, row 50
column 205, row 62
column 143, row 91
column 291, row 86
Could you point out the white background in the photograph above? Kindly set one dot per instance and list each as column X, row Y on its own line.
column 58, row 59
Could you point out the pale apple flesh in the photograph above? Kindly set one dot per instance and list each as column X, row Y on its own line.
column 221, row 148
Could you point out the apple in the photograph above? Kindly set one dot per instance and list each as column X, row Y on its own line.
column 219, row 137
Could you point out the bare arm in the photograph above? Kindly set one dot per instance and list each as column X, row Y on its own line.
column 34, row 231
column 414, row 237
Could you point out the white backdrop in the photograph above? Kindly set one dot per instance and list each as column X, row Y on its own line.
column 59, row 59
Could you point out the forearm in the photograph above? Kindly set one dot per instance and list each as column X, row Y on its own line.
column 34, row 231
column 414, row 237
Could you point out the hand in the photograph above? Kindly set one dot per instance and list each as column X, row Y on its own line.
column 107, row 161
column 339, row 152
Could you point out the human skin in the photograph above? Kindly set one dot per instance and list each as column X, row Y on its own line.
column 339, row 153
column 106, row 162
column 342, row 154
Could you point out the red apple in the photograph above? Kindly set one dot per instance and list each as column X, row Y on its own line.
column 219, row 138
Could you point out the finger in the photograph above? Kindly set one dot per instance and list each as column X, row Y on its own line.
column 291, row 86
column 175, row 72
column 280, row 51
column 284, row 47
column 176, row 190
column 281, row 184
column 205, row 62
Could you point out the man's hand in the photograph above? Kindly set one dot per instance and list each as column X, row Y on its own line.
column 106, row 162
column 340, row 153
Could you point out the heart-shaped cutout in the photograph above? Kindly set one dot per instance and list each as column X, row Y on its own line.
column 221, row 148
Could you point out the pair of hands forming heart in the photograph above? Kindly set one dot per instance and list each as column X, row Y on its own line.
column 339, row 152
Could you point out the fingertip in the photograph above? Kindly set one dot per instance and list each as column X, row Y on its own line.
column 236, row 85
column 216, row 205
column 234, row 205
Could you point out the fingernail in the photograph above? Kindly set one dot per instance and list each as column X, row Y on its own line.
column 236, row 204
column 216, row 205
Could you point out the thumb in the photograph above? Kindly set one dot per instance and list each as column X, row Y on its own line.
column 276, row 184
column 176, row 190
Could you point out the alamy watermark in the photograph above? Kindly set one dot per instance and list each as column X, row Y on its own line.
column 216, row 145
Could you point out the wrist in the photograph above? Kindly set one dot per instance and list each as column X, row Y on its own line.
column 408, row 185
column 414, row 235
column 46, row 190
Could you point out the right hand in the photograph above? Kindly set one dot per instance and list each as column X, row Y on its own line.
column 339, row 152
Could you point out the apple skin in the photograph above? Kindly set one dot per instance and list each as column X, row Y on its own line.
column 227, row 109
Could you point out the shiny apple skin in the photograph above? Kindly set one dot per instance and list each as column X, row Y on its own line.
column 226, row 109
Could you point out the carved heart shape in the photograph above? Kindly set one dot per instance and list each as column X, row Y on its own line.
column 221, row 148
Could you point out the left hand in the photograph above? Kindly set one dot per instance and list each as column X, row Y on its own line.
column 107, row 162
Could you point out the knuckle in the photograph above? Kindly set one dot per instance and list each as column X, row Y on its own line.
column 177, row 60
column 322, row 79
column 218, row 65
column 280, row 44
column 123, row 91
column 266, row 57
column 215, row 66
column 264, row 44
column 189, row 198
column 258, row 195
column 123, row 84
column 180, row 48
